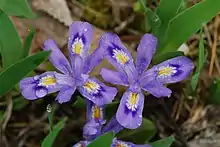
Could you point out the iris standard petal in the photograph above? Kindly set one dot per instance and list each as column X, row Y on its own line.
column 77, row 65
column 56, row 57
column 80, row 38
column 65, row 94
column 116, row 53
column 173, row 70
column 145, row 52
column 113, row 126
column 157, row 89
column 97, row 92
column 129, row 113
column 39, row 86
column 113, row 77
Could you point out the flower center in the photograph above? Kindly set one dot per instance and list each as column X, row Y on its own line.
column 132, row 102
column 77, row 46
column 97, row 112
column 47, row 81
column 92, row 86
column 166, row 71
column 120, row 56
column 121, row 144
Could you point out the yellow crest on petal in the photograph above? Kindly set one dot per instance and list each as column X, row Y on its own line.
column 97, row 112
column 120, row 56
column 121, row 144
column 91, row 86
column 165, row 71
column 47, row 81
column 77, row 46
column 133, row 100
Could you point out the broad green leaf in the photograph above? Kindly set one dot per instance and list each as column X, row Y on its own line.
column 166, row 10
column 19, row 103
column 17, row 8
column 103, row 141
column 166, row 142
column 183, row 25
column 10, row 43
column 49, row 140
column 79, row 103
column 140, row 135
column 214, row 92
column 12, row 75
column 28, row 41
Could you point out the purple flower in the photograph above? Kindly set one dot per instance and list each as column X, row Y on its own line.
column 119, row 143
column 74, row 74
column 137, row 78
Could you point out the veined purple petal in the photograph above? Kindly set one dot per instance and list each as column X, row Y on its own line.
column 157, row 89
column 91, row 130
column 173, row 70
column 113, row 77
column 129, row 113
column 117, row 54
column 56, row 57
column 39, row 86
column 80, row 38
column 145, row 52
column 77, row 65
column 97, row 92
column 82, row 144
column 119, row 143
column 93, row 60
column 113, row 126
column 65, row 94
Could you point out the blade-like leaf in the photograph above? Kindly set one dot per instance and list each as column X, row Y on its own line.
column 49, row 140
column 10, row 43
column 183, row 25
column 12, row 75
column 28, row 41
column 102, row 141
column 214, row 92
column 17, row 8
column 166, row 142
column 147, row 128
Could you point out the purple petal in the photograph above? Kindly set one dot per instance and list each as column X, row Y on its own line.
column 97, row 92
column 91, row 130
column 93, row 60
column 80, row 38
column 145, row 52
column 113, row 126
column 65, row 94
column 173, row 70
column 129, row 113
column 39, row 86
column 157, row 89
column 117, row 54
column 113, row 77
column 119, row 143
column 77, row 65
column 56, row 57
column 82, row 144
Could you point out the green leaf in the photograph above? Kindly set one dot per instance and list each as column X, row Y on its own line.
column 214, row 92
column 10, row 43
column 195, row 80
column 49, row 140
column 19, row 103
column 17, row 8
column 140, row 135
column 166, row 142
column 103, row 141
column 28, row 42
column 140, row 6
column 183, row 25
column 79, row 103
column 12, row 75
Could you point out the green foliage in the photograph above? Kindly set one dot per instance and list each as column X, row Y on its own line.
column 10, row 43
column 166, row 142
column 28, row 42
column 201, row 62
column 140, row 135
column 104, row 140
column 214, row 92
column 17, row 8
column 49, row 140
column 184, row 24
column 20, row 69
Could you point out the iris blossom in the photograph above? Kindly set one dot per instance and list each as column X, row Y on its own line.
column 74, row 74
column 94, row 127
column 137, row 78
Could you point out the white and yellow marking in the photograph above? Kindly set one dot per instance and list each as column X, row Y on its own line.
column 92, row 87
column 120, row 56
column 48, row 80
column 97, row 112
column 132, row 102
column 166, row 71
column 79, row 145
column 121, row 144
column 77, row 46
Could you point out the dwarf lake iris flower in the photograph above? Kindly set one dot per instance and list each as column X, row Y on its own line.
column 137, row 78
column 74, row 74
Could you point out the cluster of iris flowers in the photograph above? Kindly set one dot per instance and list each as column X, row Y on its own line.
column 74, row 74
